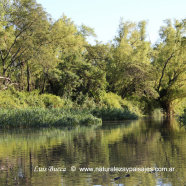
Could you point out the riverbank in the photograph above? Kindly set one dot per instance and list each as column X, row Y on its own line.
column 32, row 110
column 40, row 117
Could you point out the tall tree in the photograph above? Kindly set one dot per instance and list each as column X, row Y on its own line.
column 170, row 64
column 24, row 31
column 75, row 72
column 129, row 68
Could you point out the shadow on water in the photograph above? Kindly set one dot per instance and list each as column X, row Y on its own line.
column 146, row 143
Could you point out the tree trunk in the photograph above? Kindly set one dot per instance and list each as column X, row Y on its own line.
column 28, row 78
column 168, row 109
column 21, row 79
column 43, row 87
column 4, row 75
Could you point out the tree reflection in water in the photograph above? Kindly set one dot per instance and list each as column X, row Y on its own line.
column 142, row 143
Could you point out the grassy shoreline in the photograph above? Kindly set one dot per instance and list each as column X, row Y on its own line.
column 40, row 117
column 31, row 109
column 34, row 110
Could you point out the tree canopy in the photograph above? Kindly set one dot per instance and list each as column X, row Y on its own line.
column 37, row 52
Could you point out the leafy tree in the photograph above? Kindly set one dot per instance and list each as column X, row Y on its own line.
column 24, row 32
column 54, row 56
column 74, row 74
column 170, row 65
column 129, row 70
column 98, row 55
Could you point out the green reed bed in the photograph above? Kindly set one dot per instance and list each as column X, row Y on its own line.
column 26, row 118
column 40, row 117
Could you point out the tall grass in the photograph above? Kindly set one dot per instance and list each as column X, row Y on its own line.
column 27, row 118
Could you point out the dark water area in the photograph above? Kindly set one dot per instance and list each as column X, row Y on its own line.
column 144, row 152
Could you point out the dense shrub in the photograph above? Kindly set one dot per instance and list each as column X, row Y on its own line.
column 110, row 114
column 15, row 99
column 113, row 101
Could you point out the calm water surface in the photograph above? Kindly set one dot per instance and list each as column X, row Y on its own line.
column 29, row 157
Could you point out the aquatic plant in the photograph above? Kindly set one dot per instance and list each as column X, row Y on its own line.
column 39, row 117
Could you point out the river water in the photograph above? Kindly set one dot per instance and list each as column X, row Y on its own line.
column 143, row 152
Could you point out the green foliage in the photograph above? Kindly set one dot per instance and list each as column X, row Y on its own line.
column 169, row 64
column 48, row 58
column 179, row 106
column 34, row 110
column 85, row 102
column 27, row 118
column 113, row 107
column 7, row 101
column 111, row 114
column 15, row 99
column 129, row 69
column 113, row 101
column 52, row 101
column 182, row 118
column 87, row 31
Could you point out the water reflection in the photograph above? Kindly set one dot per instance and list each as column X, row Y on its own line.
column 143, row 143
